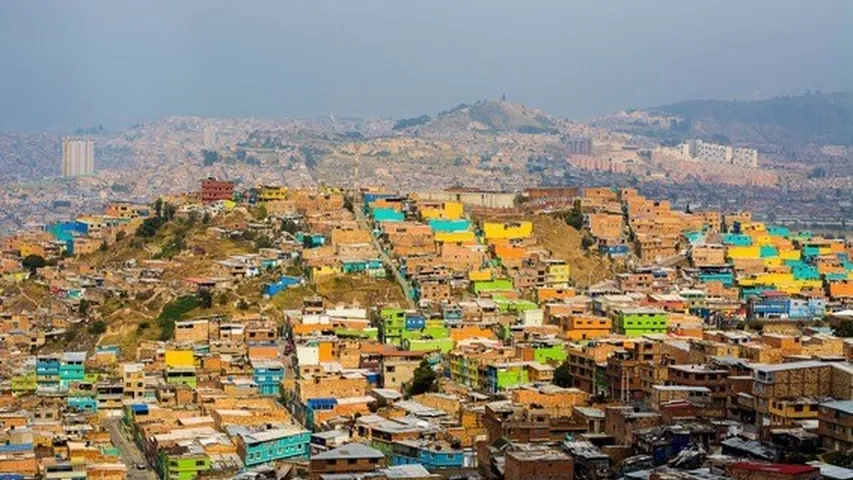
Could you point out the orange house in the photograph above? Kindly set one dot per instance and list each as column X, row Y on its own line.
column 554, row 294
column 582, row 327
column 841, row 289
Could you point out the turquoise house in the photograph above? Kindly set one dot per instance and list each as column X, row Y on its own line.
column 311, row 240
column 694, row 236
column 387, row 215
column 768, row 251
column 432, row 457
column 83, row 404
column 737, row 240
column 443, row 225
column 271, row 445
column 726, row 278
column 72, row 368
column 268, row 375
column 778, row 231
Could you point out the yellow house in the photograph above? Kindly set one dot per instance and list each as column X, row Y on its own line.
column 484, row 275
column 463, row 237
column 785, row 412
column 558, row 272
column 509, row 230
column 268, row 193
column 179, row 358
column 447, row 210
column 318, row 271
column 753, row 251
column 789, row 254
column 29, row 248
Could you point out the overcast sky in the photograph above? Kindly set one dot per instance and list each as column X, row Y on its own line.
column 65, row 64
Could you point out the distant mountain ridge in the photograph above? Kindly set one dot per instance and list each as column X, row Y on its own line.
column 821, row 118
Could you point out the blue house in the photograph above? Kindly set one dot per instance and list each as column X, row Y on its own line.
column 619, row 250
column 737, row 240
column 83, row 404
column 47, row 371
column 768, row 306
column 415, row 321
column 268, row 375
column 283, row 283
column 315, row 404
column 311, row 240
column 433, row 456
column 257, row 448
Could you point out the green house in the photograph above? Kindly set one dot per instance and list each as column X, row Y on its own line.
column 181, row 375
column 444, row 345
column 501, row 376
column 636, row 322
column 550, row 354
column 182, row 463
column 23, row 384
column 493, row 286
column 392, row 323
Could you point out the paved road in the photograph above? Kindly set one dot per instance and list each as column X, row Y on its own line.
column 130, row 454
column 365, row 223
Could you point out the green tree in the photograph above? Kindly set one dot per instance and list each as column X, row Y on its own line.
column 98, row 328
column 205, row 298
column 83, row 308
column 587, row 241
column 844, row 329
column 563, row 375
column 575, row 216
column 120, row 235
column 424, row 380
column 158, row 207
column 33, row 262
column 263, row 241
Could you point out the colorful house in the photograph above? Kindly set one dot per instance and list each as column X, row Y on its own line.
column 47, row 371
column 509, row 231
column 493, row 286
column 272, row 445
column 444, row 225
column 182, row 462
column 72, row 368
column 267, row 375
column 636, row 322
column 500, row 376
column 180, row 367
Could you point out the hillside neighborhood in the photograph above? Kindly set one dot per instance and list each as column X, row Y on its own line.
column 561, row 333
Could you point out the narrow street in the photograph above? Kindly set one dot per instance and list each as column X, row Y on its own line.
column 364, row 222
column 130, row 454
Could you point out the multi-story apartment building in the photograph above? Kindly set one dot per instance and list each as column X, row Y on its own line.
column 78, row 157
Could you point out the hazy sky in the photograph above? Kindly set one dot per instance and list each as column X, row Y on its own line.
column 115, row 62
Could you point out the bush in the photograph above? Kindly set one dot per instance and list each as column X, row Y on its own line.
column 424, row 380
column 174, row 311
column 98, row 328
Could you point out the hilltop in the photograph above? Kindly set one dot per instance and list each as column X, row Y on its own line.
column 486, row 116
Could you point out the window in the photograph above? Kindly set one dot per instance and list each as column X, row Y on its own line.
column 199, row 463
column 352, row 461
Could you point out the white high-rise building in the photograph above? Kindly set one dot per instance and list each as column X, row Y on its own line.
column 78, row 157
column 209, row 138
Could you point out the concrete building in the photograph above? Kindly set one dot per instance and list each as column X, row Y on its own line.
column 78, row 157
